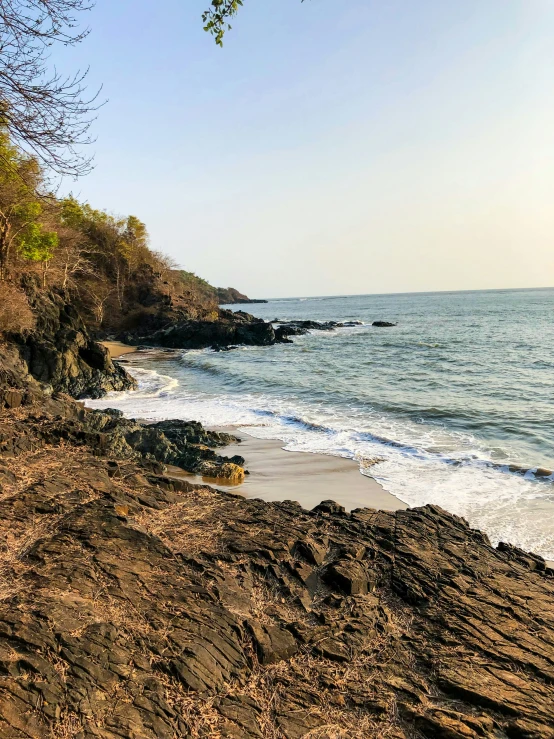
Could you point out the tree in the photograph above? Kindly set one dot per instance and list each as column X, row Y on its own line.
column 99, row 293
column 49, row 115
column 216, row 18
column 21, row 206
column 38, row 245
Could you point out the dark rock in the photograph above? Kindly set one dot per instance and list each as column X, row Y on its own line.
column 13, row 398
column 231, row 329
column 299, row 328
column 228, row 296
column 349, row 576
column 383, row 324
column 273, row 643
column 59, row 351
column 329, row 506
column 137, row 605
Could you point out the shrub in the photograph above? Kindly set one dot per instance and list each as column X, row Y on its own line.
column 16, row 315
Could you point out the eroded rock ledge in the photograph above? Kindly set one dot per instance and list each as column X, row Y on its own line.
column 133, row 605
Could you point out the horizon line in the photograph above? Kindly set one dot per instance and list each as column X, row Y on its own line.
column 405, row 292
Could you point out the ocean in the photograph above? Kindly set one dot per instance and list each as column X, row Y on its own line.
column 436, row 409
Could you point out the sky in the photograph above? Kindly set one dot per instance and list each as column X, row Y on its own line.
column 331, row 146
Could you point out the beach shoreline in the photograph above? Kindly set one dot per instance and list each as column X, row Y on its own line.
column 276, row 474
column 118, row 348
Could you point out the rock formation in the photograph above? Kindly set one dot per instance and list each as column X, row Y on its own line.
column 230, row 296
column 60, row 353
column 135, row 605
column 229, row 329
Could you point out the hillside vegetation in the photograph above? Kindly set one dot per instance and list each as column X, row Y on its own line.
column 102, row 262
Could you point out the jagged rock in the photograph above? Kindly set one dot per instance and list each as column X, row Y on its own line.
column 136, row 605
column 299, row 328
column 226, row 332
column 272, row 642
column 229, row 471
column 108, row 433
column 12, row 398
column 60, row 353
column 383, row 324
column 230, row 329
column 183, row 432
column 349, row 576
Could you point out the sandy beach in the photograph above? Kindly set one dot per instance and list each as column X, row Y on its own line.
column 118, row 348
column 277, row 474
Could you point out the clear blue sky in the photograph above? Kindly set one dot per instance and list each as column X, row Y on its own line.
column 334, row 146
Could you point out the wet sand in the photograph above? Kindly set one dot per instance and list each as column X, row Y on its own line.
column 276, row 474
column 118, row 348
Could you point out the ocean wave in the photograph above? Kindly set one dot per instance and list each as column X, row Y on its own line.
column 445, row 413
column 156, row 386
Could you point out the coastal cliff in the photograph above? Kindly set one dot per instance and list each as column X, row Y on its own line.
column 230, row 296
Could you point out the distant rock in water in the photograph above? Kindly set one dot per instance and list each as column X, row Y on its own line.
column 383, row 324
column 232, row 328
column 229, row 296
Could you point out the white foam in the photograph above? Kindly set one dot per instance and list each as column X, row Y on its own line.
column 420, row 464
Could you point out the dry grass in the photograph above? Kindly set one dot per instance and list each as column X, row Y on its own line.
column 197, row 712
column 191, row 526
column 16, row 315
column 68, row 727
column 271, row 687
column 23, row 532
column 16, row 543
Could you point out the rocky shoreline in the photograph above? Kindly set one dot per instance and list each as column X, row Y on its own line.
column 232, row 328
column 136, row 605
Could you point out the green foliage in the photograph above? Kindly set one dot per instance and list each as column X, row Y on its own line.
column 103, row 259
column 22, row 208
column 72, row 213
column 36, row 244
column 216, row 18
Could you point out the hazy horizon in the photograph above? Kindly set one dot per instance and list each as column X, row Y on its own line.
column 407, row 292
column 331, row 149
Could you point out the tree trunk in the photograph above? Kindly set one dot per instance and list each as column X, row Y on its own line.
column 4, row 247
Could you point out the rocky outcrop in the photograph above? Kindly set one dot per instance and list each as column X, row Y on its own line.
column 383, row 324
column 231, row 328
column 134, row 605
column 60, row 353
column 227, row 330
column 230, row 296
column 184, row 444
column 285, row 329
column 17, row 387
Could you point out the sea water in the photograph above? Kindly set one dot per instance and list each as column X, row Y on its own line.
column 436, row 408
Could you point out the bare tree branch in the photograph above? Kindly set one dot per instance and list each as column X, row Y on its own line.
column 46, row 113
